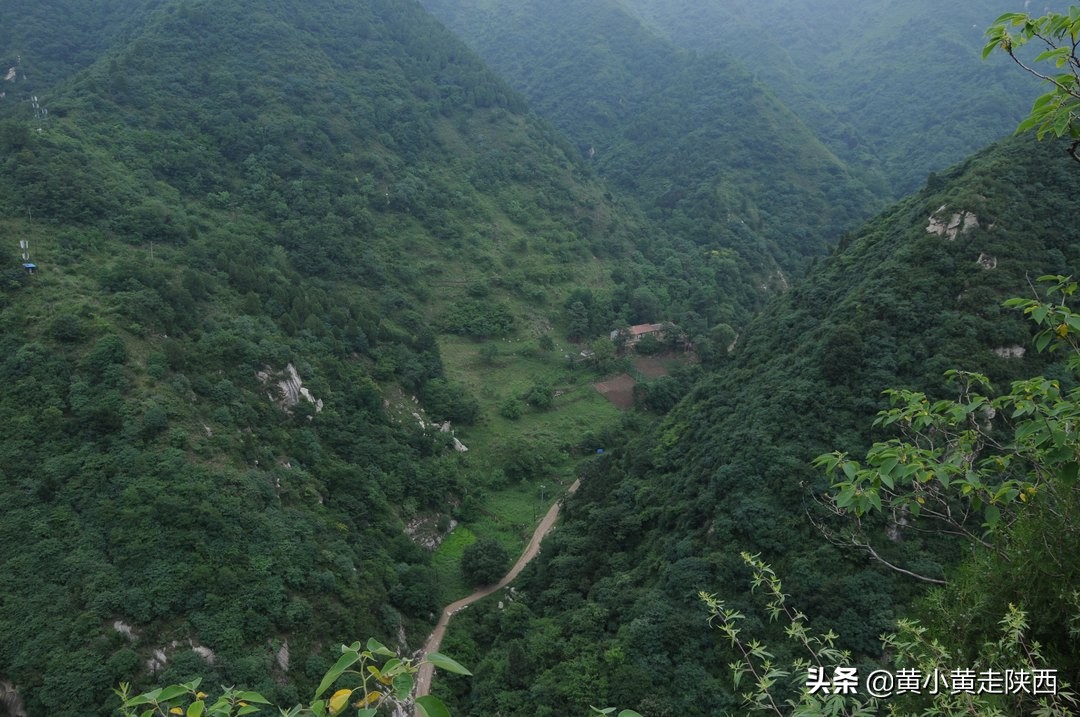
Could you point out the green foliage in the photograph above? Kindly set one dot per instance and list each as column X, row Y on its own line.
column 540, row 396
column 765, row 680
column 222, row 190
column 612, row 596
column 446, row 401
column 510, row 408
column 767, row 683
column 995, row 453
column 489, row 352
column 382, row 682
column 1053, row 113
column 485, row 562
column 610, row 710
column 478, row 319
column 997, row 471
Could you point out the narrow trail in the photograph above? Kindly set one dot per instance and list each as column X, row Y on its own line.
column 423, row 678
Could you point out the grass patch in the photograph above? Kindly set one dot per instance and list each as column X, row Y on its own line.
column 512, row 506
column 446, row 559
column 519, row 365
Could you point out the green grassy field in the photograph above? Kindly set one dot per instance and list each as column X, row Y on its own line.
column 511, row 507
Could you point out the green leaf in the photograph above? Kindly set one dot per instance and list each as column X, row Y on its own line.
column 443, row 662
column 195, row 709
column 1069, row 472
column 143, row 699
column 629, row 713
column 428, row 706
column 344, row 662
column 366, row 712
column 403, row 685
column 252, row 697
column 172, row 692
column 888, row 464
column 377, row 648
column 246, row 710
column 1056, row 52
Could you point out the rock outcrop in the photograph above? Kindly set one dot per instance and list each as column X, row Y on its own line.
column 951, row 226
column 290, row 387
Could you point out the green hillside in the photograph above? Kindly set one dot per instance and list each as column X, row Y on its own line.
column 706, row 149
column 300, row 300
column 610, row 609
column 222, row 199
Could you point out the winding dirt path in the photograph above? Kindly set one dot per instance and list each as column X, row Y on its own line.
column 423, row 678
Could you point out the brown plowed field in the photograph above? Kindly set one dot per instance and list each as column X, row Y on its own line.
column 619, row 390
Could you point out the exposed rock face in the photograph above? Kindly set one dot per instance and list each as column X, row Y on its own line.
column 1011, row 352
column 158, row 660
column 204, row 652
column 124, row 629
column 986, row 261
column 159, row 657
column 291, row 388
column 10, row 702
column 282, row 657
column 950, row 227
column 443, row 428
column 895, row 529
column 424, row 531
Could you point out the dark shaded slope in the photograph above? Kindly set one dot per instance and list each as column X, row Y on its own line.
column 611, row 602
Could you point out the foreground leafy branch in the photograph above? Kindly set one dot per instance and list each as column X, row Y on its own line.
column 924, row 677
column 768, row 680
column 379, row 679
column 1055, row 112
column 969, row 466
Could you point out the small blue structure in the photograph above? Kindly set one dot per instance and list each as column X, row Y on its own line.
column 30, row 268
column 599, row 451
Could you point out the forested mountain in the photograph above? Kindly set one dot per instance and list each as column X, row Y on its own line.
column 710, row 152
column 279, row 252
column 44, row 46
column 609, row 612
column 250, row 223
column 897, row 86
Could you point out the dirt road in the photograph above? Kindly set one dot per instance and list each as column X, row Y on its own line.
column 423, row 678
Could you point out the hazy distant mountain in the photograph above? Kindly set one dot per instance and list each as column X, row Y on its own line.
column 896, row 85
column 710, row 151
